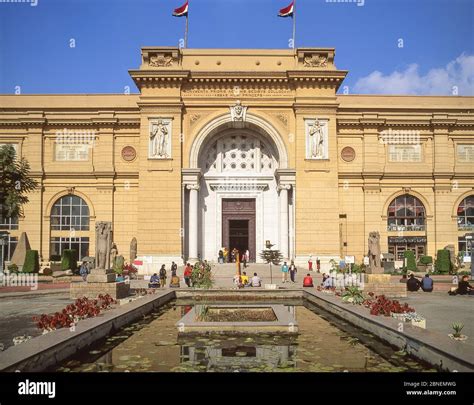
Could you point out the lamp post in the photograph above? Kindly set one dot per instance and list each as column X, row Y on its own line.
column 469, row 240
column 3, row 242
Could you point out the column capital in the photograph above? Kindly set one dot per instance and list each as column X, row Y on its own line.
column 284, row 187
column 192, row 187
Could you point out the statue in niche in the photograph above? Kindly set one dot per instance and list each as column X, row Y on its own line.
column 316, row 135
column 159, row 139
column 103, row 233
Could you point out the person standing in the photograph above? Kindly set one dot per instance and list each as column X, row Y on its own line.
column 237, row 261
column 187, row 274
column 318, row 264
column 163, row 276
column 244, row 259
column 284, row 273
column 247, row 254
column 174, row 269
column 310, row 264
column 293, row 271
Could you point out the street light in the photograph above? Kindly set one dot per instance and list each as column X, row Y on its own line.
column 469, row 243
column 3, row 243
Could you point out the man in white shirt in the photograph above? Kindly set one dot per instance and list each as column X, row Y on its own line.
column 256, row 281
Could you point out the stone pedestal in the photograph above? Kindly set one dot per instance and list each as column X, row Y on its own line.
column 381, row 284
column 101, row 276
column 92, row 290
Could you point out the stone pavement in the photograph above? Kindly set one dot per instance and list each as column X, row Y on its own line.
column 441, row 310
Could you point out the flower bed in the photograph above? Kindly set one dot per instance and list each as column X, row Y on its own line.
column 381, row 305
column 82, row 308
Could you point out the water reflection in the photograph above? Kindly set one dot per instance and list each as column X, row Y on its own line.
column 322, row 344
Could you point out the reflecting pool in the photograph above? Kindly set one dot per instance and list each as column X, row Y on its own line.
column 323, row 344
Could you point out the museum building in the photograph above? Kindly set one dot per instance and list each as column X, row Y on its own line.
column 236, row 147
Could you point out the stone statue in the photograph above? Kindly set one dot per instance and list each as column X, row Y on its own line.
column 113, row 255
column 159, row 139
column 103, row 234
column 316, row 135
column 133, row 250
column 374, row 253
column 238, row 112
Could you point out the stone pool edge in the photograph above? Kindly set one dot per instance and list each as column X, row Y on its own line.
column 45, row 351
column 420, row 343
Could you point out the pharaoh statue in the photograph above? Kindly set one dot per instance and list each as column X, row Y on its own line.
column 103, row 233
column 374, row 253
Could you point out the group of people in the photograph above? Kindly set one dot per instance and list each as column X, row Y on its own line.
column 159, row 280
column 285, row 270
column 426, row 284
column 234, row 256
column 243, row 280
column 413, row 284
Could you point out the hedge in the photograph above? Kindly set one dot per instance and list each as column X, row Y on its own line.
column 31, row 262
column 426, row 260
column 69, row 260
column 443, row 262
column 410, row 260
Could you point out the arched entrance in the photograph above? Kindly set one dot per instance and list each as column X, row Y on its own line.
column 237, row 197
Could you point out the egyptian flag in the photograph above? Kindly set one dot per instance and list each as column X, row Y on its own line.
column 287, row 11
column 181, row 11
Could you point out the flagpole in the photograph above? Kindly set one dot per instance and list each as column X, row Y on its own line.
column 186, row 33
column 294, row 23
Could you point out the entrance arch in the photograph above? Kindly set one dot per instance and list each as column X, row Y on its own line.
column 237, row 196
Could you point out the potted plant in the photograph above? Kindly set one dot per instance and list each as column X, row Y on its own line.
column 456, row 335
column 353, row 295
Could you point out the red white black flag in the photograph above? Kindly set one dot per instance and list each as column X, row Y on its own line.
column 181, row 11
column 287, row 11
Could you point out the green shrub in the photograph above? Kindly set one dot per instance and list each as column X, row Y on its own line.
column 426, row 260
column 31, row 262
column 443, row 262
column 12, row 268
column 119, row 264
column 410, row 262
column 69, row 260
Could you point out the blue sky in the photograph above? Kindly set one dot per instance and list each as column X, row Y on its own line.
column 437, row 52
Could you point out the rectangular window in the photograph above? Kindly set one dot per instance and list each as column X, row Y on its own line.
column 404, row 153
column 80, row 245
column 465, row 153
column 9, row 248
column 8, row 223
column 72, row 152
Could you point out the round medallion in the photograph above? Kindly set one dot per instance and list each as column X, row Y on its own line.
column 348, row 154
column 129, row 153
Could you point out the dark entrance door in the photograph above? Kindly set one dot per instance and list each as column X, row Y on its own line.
column 238, row 224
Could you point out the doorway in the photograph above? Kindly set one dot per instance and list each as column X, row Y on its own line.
column 238, row 225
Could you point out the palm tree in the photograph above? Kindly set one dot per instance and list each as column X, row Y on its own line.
column 15, row 182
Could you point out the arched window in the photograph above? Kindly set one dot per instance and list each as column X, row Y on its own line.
column 71, row 214
column 466, row 214
column 406, row 213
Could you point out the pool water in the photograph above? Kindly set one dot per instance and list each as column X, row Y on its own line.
column 324, row 344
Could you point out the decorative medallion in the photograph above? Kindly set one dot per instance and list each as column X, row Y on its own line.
column 129, row 153
column 348, row 154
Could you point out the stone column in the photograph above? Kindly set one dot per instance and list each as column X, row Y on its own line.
column 193, row 220
column 284, row 220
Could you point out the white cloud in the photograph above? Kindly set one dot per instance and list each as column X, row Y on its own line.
column 458, row 74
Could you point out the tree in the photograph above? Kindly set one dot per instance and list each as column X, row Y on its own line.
column 15, row 182
column 271, row 257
